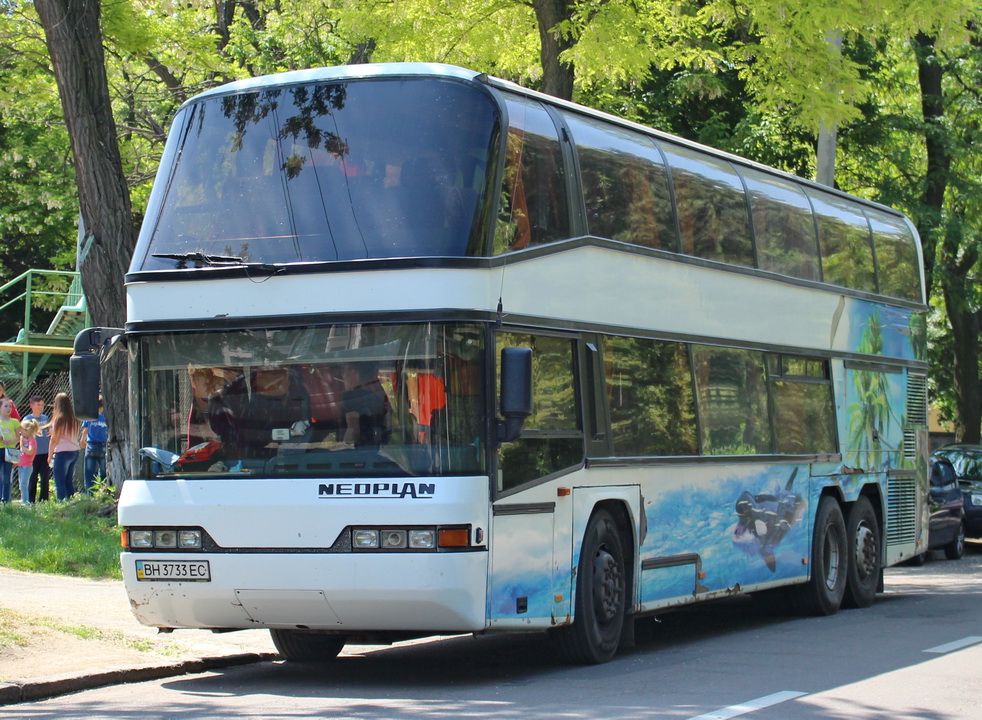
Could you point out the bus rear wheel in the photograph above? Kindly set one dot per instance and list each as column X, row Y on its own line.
column 863, row 535
column 305, row 646
column 601, row 595
column 823, row 593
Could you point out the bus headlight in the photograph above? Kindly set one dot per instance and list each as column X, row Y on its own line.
column 141, row 539
column 366, row 539
column 433, row 539
column 189, row 539
column 422, row 539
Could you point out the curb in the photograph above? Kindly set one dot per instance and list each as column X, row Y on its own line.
column 19, row 691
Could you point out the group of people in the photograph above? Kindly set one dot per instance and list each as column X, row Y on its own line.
column 40, row 447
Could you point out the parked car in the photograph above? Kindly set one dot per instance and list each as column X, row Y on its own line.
column 967, row 462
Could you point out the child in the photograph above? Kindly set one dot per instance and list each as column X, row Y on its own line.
column 29, row 430
column 9, row 434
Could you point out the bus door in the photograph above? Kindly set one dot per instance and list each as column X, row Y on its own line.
column 531, row 524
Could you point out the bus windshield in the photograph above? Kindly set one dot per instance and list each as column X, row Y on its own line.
column 328, row 171
column 328, row 401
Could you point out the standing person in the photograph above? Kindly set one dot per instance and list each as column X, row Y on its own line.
column 3, row 393
column 65, row 431
column 41, row 472
column 9, row 439
column 29, row 430
column 95, row 435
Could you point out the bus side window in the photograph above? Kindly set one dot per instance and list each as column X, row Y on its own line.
column 847, row 248
column 625, row 185
column 712, row 207
column 552, row 439
column 533, row 194
column 783, row 226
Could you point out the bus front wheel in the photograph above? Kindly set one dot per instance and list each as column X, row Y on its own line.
column 823, row 593
column 601, row 595
column 304, row 646
column 863, row 535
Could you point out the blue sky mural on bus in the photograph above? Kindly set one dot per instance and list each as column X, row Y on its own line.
column 899, row 332
column 746, row 527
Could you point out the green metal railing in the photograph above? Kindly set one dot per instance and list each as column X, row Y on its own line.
column 36, row 350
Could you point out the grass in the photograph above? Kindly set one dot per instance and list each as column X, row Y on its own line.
column 17, row 628
column 62, row 538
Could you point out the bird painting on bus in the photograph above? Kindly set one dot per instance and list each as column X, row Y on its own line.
column 764, row 519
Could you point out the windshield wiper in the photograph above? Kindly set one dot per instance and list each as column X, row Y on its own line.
column 202, row 259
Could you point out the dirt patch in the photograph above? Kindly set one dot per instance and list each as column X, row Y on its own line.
column 34, row 646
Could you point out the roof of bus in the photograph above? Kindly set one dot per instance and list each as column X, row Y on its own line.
column 340, row 72
column 441, row 70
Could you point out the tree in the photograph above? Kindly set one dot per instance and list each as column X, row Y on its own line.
column 74, row 39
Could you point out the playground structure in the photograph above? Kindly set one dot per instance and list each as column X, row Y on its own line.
column 35, row 361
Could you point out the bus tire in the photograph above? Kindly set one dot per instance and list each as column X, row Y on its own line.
column 601, row 595
column 304, row 646
column 863, row 568
column 823, row 593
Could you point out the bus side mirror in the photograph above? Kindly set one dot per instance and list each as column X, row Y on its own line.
column 84, row 374
column 516, row 391
column 84, row 370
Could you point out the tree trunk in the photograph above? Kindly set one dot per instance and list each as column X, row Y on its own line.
column 74, row 38
column 557, row 76
column 930, row 75
column 965, row 325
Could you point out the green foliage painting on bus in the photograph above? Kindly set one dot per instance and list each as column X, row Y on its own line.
column 872, row 420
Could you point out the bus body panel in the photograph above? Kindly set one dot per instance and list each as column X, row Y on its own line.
column 718, row 302
column 303, row 514
column 325, row 591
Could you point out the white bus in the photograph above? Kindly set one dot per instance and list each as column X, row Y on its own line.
column 416, row 351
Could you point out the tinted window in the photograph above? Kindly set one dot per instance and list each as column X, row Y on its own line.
column 847, row 253
column 783, row 226
column 334, row 401
column 897, row 263
column 649, row 393
column 330, row 172
column 731, row 387
column 533, row 196
column 804, row 421
column 712, row 207
column 551, row 439
column 625, row 185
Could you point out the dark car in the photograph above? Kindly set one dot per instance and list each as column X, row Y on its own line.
column 967, row 462
column 947, row 529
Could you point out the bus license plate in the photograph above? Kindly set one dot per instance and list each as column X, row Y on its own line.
column 173, row 570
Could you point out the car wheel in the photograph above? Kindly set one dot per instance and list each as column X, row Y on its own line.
column 823, row 593
column 601, row 595
column 863, row 569
column 956, row 548
column 304, row 646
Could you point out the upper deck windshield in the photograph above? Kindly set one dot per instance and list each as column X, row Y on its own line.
column 328, row 171
column 336, row 401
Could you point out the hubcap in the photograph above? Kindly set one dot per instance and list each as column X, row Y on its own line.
column 831, row 559
column 865, row 551
column 606, row 585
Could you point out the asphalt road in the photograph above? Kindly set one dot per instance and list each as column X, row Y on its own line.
column 914, row 655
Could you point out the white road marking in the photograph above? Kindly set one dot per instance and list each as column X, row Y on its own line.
column 750, row 706
column 955, row 645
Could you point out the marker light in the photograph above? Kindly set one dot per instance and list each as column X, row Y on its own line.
column 454, row 537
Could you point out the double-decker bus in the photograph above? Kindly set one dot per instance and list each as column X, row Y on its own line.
column 417, row 351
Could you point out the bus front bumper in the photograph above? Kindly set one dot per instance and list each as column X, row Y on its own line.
column 416, row 592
